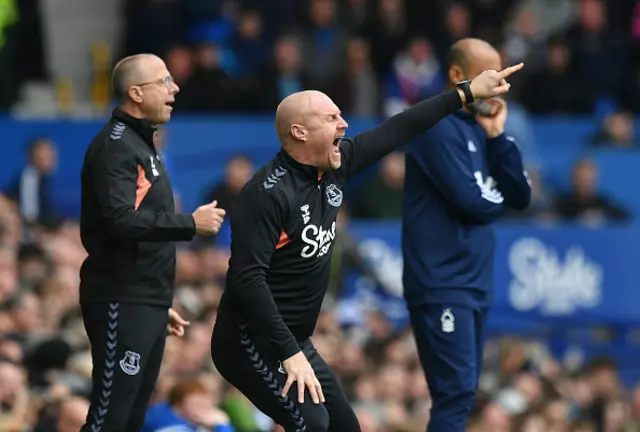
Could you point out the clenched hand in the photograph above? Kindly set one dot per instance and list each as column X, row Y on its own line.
column 208, row 218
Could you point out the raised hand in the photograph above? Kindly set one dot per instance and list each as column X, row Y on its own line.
column 491, row 83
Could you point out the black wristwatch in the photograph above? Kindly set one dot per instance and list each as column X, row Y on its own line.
column 465, row 86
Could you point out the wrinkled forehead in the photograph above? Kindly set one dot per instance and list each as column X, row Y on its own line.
column 321, row 104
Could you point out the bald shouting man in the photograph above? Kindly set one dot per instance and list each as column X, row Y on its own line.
column 128, row 226
column 283, row 227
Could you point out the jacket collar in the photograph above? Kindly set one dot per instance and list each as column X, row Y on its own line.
column 466, row 116
column 290, row 163
column 142, row 127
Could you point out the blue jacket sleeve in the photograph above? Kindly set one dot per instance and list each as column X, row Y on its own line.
column 506, row 168
column 445, row 159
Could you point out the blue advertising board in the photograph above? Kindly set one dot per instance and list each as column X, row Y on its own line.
column 569, row 276
column 199, row 148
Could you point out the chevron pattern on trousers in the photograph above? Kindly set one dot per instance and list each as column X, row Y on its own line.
column 100, row 411
column 270, row 380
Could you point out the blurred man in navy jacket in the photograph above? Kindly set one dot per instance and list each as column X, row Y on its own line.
column 460, row 176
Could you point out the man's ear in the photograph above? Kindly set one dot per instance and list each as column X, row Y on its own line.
column 135, row 93
column 456, row 74
column 299, row 132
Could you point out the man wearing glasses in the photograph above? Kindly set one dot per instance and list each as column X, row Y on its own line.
column 128, row 227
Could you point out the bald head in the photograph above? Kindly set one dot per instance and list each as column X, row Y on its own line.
column 311, row 118
column 295, row 109
column 472, row 56
column 131, row 71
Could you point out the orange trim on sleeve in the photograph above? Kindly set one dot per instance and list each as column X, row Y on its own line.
column 284, row 240
column 142, row 186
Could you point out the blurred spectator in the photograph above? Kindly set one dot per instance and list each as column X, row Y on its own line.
column 285, row 76
column 416, row 75
column 14, row 397
column 633, row 425
column 65, row 415
column 181, row 65
column 209, row 88
column 190, row 407
column 346, row 258
column 554, row 89
column 488, row 18
column 71, row 414
column 524, row 42
column 355, row 13
column 552, row 17
column 355, row 90
column 492, row 417
column 381, row 197
column 616, row 130
column 26, row 313
column 594, row 42
column 387, row 31
column 249, row 43
column 31, row 189
column 584, row 204
column 238, row 171
column 209, row 21
column 324, row 43
column 457, row 24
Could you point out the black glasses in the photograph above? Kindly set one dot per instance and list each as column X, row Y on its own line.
column 167, row 81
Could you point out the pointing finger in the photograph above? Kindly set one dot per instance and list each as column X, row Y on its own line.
column 510, row 70
column 214, row 203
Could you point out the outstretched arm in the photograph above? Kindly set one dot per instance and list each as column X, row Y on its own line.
column 367, row 147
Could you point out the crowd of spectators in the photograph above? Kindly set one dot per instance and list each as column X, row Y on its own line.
column 374, row 57
column 45, row 363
